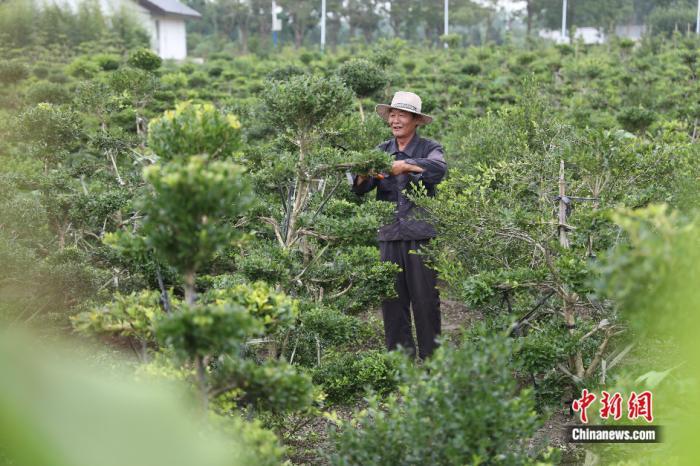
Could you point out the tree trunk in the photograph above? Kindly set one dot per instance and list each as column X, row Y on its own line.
column 569, row 299
column 301, row 191
column 202, row 381
column 189, row 287
column 529, row 8
column 243, row 35
column 298, row 34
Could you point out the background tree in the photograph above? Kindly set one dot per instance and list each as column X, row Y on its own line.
column 364, row 15
column 303, row 15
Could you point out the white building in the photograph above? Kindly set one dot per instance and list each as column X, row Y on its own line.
column 163, row 19
column 587, row 34
column 166, row 23
column 591, row 35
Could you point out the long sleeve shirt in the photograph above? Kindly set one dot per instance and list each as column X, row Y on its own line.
column 407, row 224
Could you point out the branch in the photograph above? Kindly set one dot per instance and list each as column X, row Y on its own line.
column 276, row 227
column 220, row 391
column 599, row 354
column 341, row 293
column 315, row 258
column 562, row 368
column 603, row 323
column 327, row 198
column 621, row 355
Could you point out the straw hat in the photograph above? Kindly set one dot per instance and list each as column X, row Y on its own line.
column 406, row 101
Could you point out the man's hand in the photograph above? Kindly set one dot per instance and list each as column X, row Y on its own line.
column 399, row 167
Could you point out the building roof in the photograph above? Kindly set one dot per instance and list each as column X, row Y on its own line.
column 170, row 7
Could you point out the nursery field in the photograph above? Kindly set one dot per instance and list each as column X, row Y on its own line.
column 192, row 224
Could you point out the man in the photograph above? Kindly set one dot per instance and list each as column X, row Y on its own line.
column 417, row 161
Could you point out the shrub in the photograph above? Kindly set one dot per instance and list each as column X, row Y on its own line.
column 636, row 119
column 193, row 129
column 198, row 79
column 276, row 311
column 304, row 103
column 468, row 410
column 130, row 316
column 345, row 376
column 52, row 93
column 50, row 128
column 362, row 76
column 145, row 59
column 325, row 328
column 471, row 68
column 285, row 72
column 41, row 71
column 83, row 67
column 12, row 72
column 184, row 217
column 273, row 386
column 107, row 62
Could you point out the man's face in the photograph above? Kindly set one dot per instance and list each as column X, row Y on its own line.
column 403, row 124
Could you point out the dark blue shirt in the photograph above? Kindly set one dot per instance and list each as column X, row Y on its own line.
column 424, row 153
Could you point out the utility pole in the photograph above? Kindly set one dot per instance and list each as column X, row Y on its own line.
column 697, row 20
column 563, row 20
column 447, row 18
column 323, row 25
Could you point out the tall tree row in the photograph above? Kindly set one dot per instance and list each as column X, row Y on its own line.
column 422, row 20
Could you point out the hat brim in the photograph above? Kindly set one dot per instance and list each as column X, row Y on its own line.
column 383, row 111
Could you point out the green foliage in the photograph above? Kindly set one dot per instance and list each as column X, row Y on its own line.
column 12, row 72
column 639, row 274
column 272, row 386
column 52, row 93
column 144, row 59
column 83, row 68
column 336, row 329
column 107, row 62
column 184, row 220
column 352, row 224
column 267, row 262
column 130, row 316
column 50, row 128
column 344, row 376
column 263, row 446
column 206, row 329
column 302, row 104
column 363, row 279
column 285, row 72
column 362, row 76
column 194, row 129
column 467, row 410
column 452, row 40
column 636, row 119
column 67, row 277
column 276, row 311
column 667, row 20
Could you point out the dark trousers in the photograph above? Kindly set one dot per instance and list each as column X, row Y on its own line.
column 415, row 285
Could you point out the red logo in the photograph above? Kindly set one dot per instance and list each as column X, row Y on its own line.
column 582, row 404
column 638, row 405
